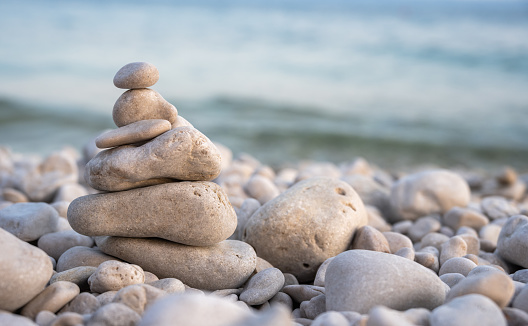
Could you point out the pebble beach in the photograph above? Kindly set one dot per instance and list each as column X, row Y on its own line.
column 152, row 223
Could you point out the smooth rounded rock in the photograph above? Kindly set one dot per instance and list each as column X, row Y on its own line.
column 397, row 241
column 513, row 240
column 114, row 275
column 142, row 104
column 13, row 319
column 321, row 273
column 353, row 283
column 114, row 314
column 472, row 309
column 261, row 188
column 454, row 247
column 78, row 275
column 315, row 220
column 428, row 192
column 521, row 300
column 331, row 318
column 135, row 132
column 368, row 238
column 179, row 154
column 262, row 286
column 457, row 217
column 226, row 265
column 452, row 279
column 495, row 285
column 25, row 270
column 136, row 75
column 191, row 213
column 84, row 303
column 81, row 256
column 457, row 265
column 52, row 298
column 56, row 243
column 169, row 285
column 29, row 221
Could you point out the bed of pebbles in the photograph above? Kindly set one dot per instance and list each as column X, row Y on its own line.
column 157, row 225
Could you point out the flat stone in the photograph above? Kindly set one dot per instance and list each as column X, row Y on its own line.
column 142, row 104
column 81, row 256
column 135, row 132
column 52, row 298
column 427, row 193
column 29, row 221
column 317, row 219
column 136, row 75
column 513, row 241
column 262, row 286
column 225, row 265
column 56, row 243
column 368, row 238
column 179, row 154
column 191, row 213
column 353, row 283
column 495, row 285
column 114, row 275
column 471, row 309
column 190, row 309
column 25, row 270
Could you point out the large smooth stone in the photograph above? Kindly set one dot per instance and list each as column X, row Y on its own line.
column 182, row 154
column 133, row 133
column 307, row 224
column 358, row 280
column 471, row 309
column 513, row 240
column 136, row 75
column 191, row 213
column 25, row 270
column 226, row 265
column 428, row 192
column 142, row 104
column 29, row 221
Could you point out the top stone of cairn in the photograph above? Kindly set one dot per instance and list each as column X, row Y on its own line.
column 136, row 75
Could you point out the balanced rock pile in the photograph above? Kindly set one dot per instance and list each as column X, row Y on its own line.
column 159, row 210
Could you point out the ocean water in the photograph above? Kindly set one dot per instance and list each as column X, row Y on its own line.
column 400, row 83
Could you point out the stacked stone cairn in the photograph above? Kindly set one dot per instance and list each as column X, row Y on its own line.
column 158, row 208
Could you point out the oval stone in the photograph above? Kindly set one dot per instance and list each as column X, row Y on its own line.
column 182, row 154
column 307, row 224
column 136, row 75
column 428, row 192
column 133, row 133
column 262, row 286
column 56, row 243
column 29, row 221
column 513, row 240
column 191, row 213
column 25, row 270
column 142, row 104
column 226, row 265
column 81, row 256
column 358, row 280
column 471, row 309
column 52, row 298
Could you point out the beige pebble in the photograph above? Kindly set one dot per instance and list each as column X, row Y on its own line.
column 114, row 314
column 405, row 252
column 261, row 188
column 371, row 192
column 458, row 216
column 309, row 235
column 150, row 277
column 191, row 213
column 139, row 297
column 427, row 260
column 56, row 243
column 457, row 265
column 169, row 285
column 81, row 256
column 423, row 226
column 142, row 104
column 397, row 241
column 434, row 239
column 69, row 191
column 368, row 238
column 25, row 270
column 227, row 264
column 183, row 153
column 495, row 285
column 51, row 298
column 472, row 242
column 262, row 264
column 29, row 221
column 45, row 318
column 182, row 122
column 133, row 133
column 14, row 196
column 84, row 303
column 383, row 316
column 113, row 275
column 61, row 207
column 136, row 75
column 454, row 247
column 376, row 220
column 490, row 233
column 68, row 319
column 106, row 298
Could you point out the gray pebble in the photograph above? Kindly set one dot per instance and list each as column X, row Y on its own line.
column 262, row 286
column 56, row 243
column 114, row 314
column 136, row 75
column 29, row 221
column 472, row 309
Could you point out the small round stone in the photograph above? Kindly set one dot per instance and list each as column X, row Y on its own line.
column 113, row 275
column 472, row 309
column 136, row 75
column 142, row 104
column 262, row 286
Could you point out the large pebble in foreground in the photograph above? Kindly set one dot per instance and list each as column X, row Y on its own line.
column 226, row 265
column 25, row 270
column 513, row 240
column 192, row 213
column 136, row 75
column 358, row 280
column 307, row 224
column 183, row 153
column 428, row 192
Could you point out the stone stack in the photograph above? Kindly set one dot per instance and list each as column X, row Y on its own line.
column 158, row 208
